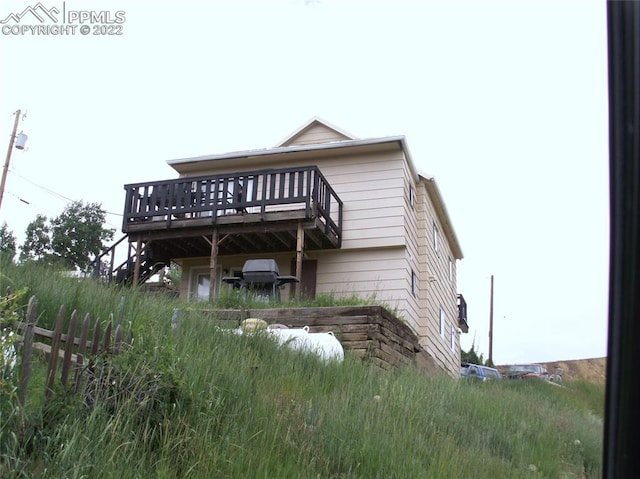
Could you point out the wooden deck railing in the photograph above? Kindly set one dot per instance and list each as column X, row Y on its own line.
column 213, row 196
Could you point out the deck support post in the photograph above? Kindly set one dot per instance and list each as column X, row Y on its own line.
column 213, row 265
column 136, row 264
column 299, row 253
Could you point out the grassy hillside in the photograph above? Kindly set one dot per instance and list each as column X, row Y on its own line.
column 593, row 370
column 201, row 402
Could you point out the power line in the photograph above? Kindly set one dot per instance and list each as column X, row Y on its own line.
column 44, row 188
column 38, row 209
column 51, row 192
column 57, row 195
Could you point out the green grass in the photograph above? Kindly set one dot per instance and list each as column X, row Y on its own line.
column 202, row 402
column 230, row 299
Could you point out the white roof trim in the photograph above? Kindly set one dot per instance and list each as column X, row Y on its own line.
column 292, row 149
column 443, row 215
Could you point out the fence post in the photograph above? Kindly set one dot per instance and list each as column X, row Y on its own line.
column 55, row 348
column 84, row 335
column 68, row 348
column 107, row 337
column 96, row 337
column 27, row 351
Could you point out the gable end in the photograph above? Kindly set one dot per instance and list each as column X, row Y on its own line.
column 315, row 131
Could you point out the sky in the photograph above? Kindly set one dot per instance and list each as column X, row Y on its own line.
column 504, row 102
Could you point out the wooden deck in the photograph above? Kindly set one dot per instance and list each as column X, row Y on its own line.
column 252, row 212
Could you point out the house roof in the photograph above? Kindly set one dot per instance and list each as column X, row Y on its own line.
column 180, row 164
column 340, row 140
column 318, row 124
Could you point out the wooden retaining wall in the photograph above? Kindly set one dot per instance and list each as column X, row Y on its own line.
column 370, row 332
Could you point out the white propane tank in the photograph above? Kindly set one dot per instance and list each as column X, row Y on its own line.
column 287, row 335
column 325, row 345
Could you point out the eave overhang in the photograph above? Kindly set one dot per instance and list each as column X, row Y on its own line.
column 189, row 165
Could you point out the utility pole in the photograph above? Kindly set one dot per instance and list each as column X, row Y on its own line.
column 9, row 151
column 490, row 360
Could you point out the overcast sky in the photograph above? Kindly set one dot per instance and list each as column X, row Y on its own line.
column 505, row 103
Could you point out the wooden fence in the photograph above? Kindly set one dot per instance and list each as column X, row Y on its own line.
column 69, row 351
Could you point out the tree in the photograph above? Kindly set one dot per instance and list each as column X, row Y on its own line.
column 37, row 244
column 78, row 234
column 7, row 242
column 471, row 356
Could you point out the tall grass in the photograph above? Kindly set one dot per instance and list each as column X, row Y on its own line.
column 201, row 401
column 234, row 298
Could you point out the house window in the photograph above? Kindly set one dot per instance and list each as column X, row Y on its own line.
column 450, row 270
column 436, row 237
column 412, row 196
column 200, row 282
column 453, row 338
column 414, row 284
column 203, row 283
column 441, row 322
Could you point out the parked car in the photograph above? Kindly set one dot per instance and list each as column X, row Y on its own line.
column 477, row 371
column 526, row 371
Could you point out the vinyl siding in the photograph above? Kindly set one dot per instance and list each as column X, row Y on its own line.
column 413, row 235
column 442, row 292
column 371, row 188
column 381, row 273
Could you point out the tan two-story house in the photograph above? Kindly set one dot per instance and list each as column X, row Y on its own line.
column 345, row 216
